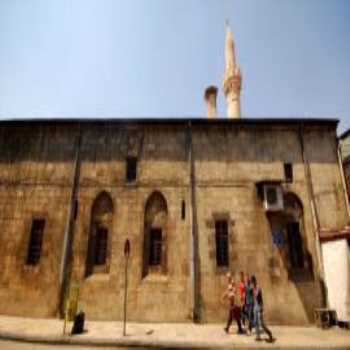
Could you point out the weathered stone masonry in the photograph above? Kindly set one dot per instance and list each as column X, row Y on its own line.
column 230, row 158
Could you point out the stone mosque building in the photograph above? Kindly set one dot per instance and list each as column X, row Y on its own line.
column 196, row 198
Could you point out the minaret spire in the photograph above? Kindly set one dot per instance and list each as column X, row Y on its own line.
column 230, row 60
column 232, row 77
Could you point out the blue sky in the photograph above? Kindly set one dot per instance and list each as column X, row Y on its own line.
column 154, row 58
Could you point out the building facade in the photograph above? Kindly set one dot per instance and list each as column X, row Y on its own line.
column 190, row 195
column 196, row 198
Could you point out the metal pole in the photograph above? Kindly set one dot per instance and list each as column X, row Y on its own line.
column 125, row 293
column 67, row 252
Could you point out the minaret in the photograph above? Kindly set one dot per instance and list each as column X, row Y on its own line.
column 232, row 78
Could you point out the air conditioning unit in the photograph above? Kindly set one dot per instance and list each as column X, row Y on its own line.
column 273, row 197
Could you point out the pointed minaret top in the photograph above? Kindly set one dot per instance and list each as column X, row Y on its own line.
column 232, row 77
column 230, row 60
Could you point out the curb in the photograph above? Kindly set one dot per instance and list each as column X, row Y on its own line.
column 153, row 344
column 119, row 342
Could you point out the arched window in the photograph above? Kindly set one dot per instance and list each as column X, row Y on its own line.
column 100, row 231
column 294, row 225
column 155, row 232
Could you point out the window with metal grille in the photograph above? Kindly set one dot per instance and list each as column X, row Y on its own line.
column 101, row 246
column 221, row 238
column 35, row 242
column 183, row 210
column 295, row 245
column 288, row 172
column 155, row 253
column 131, row 169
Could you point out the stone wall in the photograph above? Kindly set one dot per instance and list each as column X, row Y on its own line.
column 37, row 172
column 36, row 178
column 226, row 173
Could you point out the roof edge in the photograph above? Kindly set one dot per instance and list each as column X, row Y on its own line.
column 193, row 120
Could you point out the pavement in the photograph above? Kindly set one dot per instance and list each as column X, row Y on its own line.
column 168, row 335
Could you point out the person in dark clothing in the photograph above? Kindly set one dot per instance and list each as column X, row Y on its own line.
column 249, row 304
column 259, row 312
column 234, row 310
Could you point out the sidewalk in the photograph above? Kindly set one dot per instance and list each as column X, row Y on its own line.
column 160, row 335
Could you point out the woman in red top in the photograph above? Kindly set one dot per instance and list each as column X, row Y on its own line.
column 242, row 293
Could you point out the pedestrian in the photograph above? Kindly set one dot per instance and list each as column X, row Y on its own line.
column 259, row 312
column 230, row 281
column 242, row 291
column 249, row 304
column 234, row 311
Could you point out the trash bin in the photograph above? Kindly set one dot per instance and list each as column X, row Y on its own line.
column 78, row 325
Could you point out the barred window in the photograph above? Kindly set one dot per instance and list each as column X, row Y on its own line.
column 35, row 241
column 221, row 238
column 155, row 234
column 288, row 172
column 101, row 246
column 155, row 254
column 99, row 250
column 131, row 169
column 183, row 210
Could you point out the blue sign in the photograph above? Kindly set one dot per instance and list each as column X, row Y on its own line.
column 278, row 238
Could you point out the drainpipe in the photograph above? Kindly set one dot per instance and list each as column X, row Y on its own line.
column 67, row 250
column 195, row 254
column 314, row 212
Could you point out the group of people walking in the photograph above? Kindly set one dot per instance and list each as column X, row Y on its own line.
column 245, row 305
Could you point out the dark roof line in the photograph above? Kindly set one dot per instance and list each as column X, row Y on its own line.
column 242, row 121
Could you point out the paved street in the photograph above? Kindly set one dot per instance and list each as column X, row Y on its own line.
column 13, row 345
column 160, row 335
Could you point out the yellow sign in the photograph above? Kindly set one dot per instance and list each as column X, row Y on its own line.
column 72, row 302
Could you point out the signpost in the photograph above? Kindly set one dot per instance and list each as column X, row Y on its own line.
column 126, row 255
